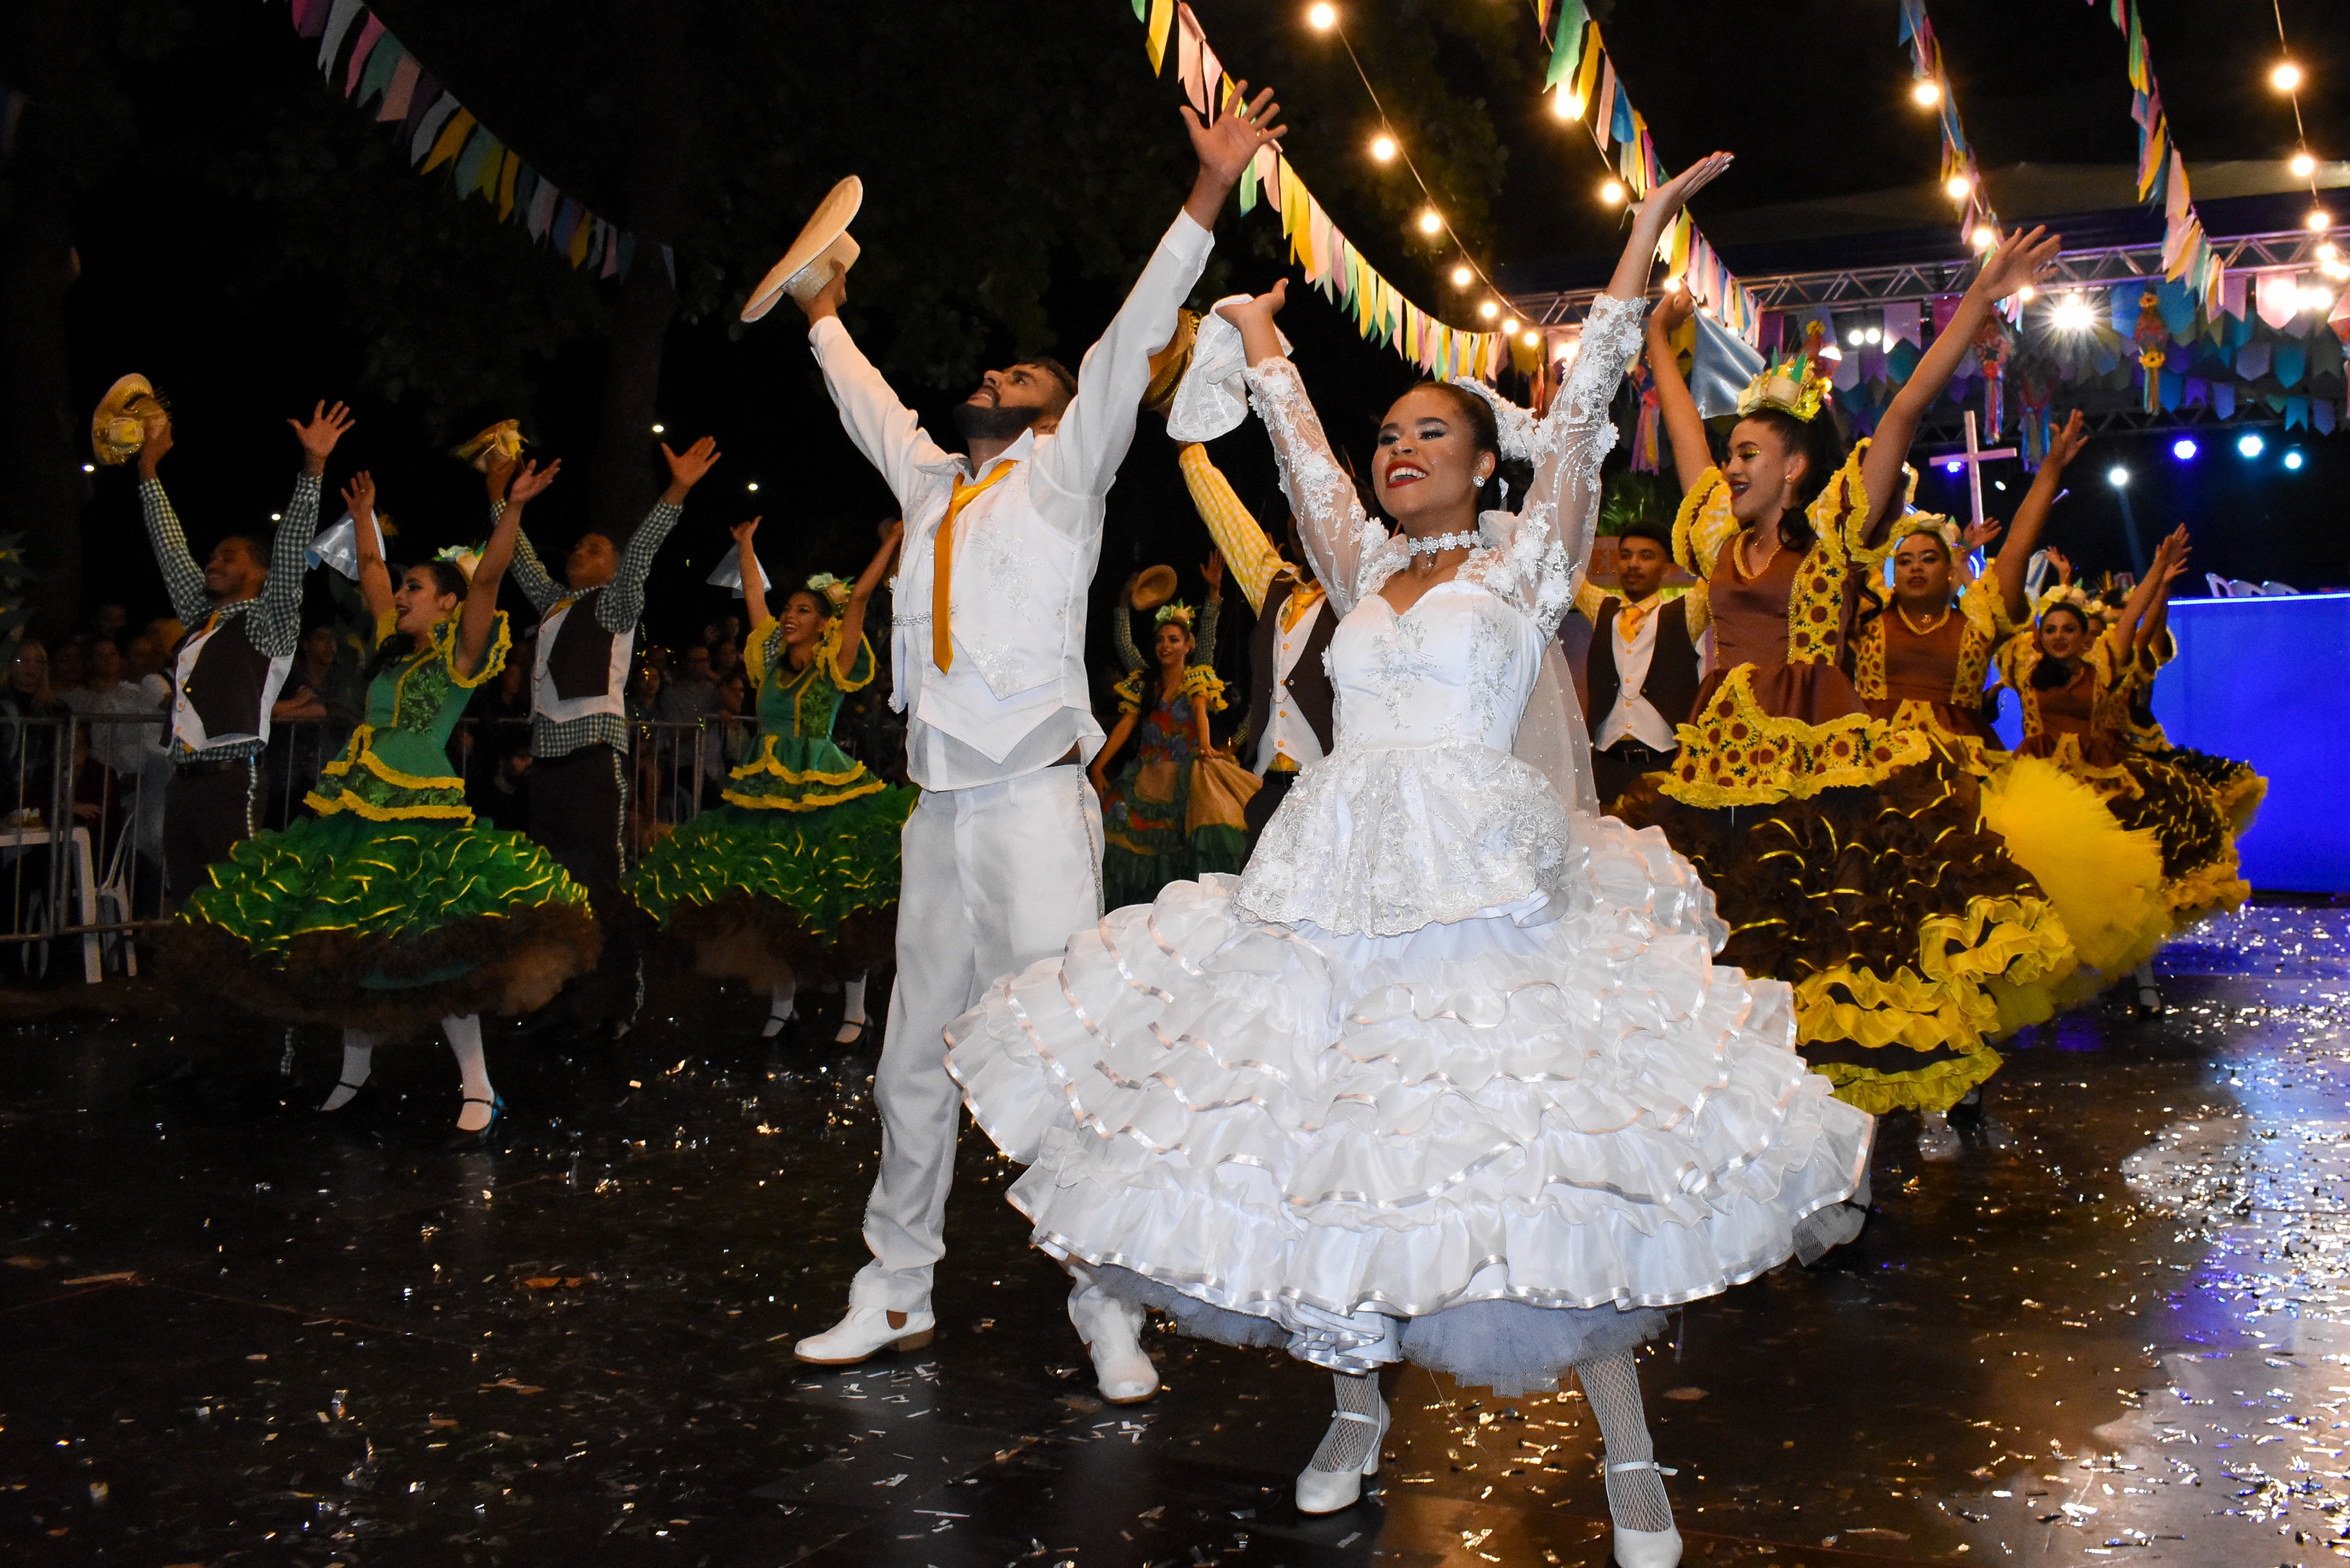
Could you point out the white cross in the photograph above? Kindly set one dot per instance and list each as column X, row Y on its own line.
column 1974, row 457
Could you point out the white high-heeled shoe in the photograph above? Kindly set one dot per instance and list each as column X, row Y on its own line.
column 1646, row 1548
column 1328, row 1491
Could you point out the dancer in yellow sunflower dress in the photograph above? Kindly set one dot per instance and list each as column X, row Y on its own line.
column 2077, row 681
column 1921, row 657
column 393, row 907
column 795, row 875
column 1849, row 855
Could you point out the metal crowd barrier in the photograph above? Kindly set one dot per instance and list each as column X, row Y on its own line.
column 81, row 825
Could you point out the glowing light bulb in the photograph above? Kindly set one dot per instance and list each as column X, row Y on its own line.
column 2286, row 78
column 1612, row 192
column 2324, row 250
column 2319, row 220
column 1960, row 187
column 1875, row 335
column 90, row 467
column 1462, row 278
column 1984, row 238
column 1565, row 104
column 1533, row 339
column 1927, row 94
column 1324, row 17
column 1429, row 223
column 1383, row 147
column 2027, row 293
column 2303, row 165
column 661, row 430
column 753, row 487
column 1489, row 310
column 1509, row 326
column 1857, row 338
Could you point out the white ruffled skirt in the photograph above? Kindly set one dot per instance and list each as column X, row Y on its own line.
column 1493, row 1145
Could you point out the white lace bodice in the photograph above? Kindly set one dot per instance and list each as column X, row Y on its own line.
column 1454, row 670
column 1422, row 813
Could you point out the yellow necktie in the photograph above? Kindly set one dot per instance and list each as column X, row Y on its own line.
column 943, row 561
column 1632, row 613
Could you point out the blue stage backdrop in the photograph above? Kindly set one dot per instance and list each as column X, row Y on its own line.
column 2267, row 681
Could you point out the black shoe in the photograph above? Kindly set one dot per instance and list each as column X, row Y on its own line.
column 361, row 1107
column 1969, row 1112
column 462, row 1141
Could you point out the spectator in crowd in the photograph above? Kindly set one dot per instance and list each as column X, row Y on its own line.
column 121, row 714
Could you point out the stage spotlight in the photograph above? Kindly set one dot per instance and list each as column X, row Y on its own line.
column 2250, row 445
column 2293, row 460
column 2072, row 313
column 2184, row 448
column 1953, row 466
column 1927, row 94
column 2117, row 476
column 1875, row 335
column 1857, row 338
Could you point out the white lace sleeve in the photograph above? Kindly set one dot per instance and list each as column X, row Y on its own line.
column 1351, row 550
column 1541, row 554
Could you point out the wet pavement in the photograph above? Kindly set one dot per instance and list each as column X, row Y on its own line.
column 232, row 1331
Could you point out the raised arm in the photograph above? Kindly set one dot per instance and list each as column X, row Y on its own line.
column 276, row 626
column 182, row 579
column 1121, row 629
column 2019, row 259
column 2155, row 621
column 1339, row 535
column 1211, row 613
column 1684, row 427
column 1081, row 460
column 2014, row 557
column 754, row 581
column 2168, row 558
column 852, row 614
column 1548, row 543
column 477, row 619
column 529, row 574
column 375, row 576
column 618, row 607
column 1240, row 539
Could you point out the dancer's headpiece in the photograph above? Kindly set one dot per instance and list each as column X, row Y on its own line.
column 464, row 557
column 831, row 589
column 1514, row 426
column 1787, row 384
column 1176, row 611
column 1929, row 523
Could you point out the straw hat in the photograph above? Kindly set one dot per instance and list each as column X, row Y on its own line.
column 119, row 429
column 1167, row 365
column 1154, row 587
column 505, row 437
column 806, row 267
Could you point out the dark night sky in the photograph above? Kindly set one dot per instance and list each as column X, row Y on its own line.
column 1810, row 93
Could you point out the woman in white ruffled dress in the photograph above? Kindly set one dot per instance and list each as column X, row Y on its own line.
column 1447, row 1074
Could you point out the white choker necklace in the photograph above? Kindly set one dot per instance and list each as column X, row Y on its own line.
column 1441, row 542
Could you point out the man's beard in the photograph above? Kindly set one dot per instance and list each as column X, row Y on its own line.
column 985, row 421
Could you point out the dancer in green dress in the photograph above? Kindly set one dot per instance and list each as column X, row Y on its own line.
column 795, row 875
column 390, row 908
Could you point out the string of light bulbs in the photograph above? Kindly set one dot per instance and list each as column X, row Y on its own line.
column 1386, row 147
column 2287, row 79
column 1931, row 88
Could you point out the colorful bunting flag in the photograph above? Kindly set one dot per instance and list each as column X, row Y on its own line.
column 1958, row 157
column 1615, row 122
column 2186, row 253
column 1328, row 260
column 435, row 129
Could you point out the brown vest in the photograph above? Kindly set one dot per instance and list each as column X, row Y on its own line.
column 1309, row 680
column 229, row 683
column 1672, row 681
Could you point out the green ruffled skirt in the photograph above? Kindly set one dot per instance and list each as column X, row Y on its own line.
column 757, row 891
column 384, row 926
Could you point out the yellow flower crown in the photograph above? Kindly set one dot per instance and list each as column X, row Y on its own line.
column 2068, row 596
column 1786, row 384
column 1933, row 522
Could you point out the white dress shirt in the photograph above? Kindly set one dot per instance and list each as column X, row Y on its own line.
column 1288, row 735
column 1017, row 698
column 1634, row 714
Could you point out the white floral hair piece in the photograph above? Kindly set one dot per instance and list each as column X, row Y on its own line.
column 1515, row 425
column 1932, row 524
column 831, row 589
